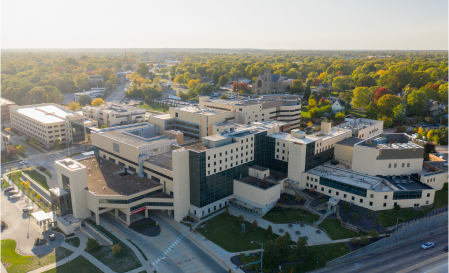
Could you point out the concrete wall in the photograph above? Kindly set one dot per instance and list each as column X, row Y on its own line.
column 263, row 197
column 343, row 152
column 435, row 180
column 181, row 183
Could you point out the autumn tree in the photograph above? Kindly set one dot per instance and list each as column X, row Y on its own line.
column 312, row 104
column 371, row 110
column 143, row 69
column 179, row 79
column 97, row 102
column 416, row 102
column 74, row 106
column 366, row 81
column 192, row 84
column 315, row 82
column 116, row 249
column 21, row 149
column 386, row 105
column 362, row 97
column 297, row 87
column 381, row 91
column 81, row 80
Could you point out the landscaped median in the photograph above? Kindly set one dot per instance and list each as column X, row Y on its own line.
column 39, row 178
column 15, row 263
column 336, row 231
column 123, row 261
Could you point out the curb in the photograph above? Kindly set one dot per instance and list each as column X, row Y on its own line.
column 411, row 268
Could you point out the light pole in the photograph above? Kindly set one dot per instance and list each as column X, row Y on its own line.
column 261, row 254
column 397, row 222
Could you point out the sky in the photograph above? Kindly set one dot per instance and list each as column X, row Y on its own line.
column 277, row 24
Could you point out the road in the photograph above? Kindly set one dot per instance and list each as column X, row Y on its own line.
column 118, row 95
column 180, row 252
column 399, row 258
column 438, row 266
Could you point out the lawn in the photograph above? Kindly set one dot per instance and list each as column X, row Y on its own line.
column 292, row 215
column 305, row 112
column 225, row 232
column 79, row 264
column 320, row 253
column 75, row 241
column 358, row 113
column 15, row 262
column 388, row 218
column 124, row 261
column 5, row 184
column 39, row 178
column 155, row 107
column 15, row 177
column 336, row 231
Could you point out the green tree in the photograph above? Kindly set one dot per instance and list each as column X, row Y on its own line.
column 307, row 93
column 92, row 244
column 398, row 78
column 340, row 116
column 270, row 255
column 255, row 224
column 301, row 247
column 179, row 79
column 297, row 87
column 341, row 83
column 362, row 97
column 388, row 122
column 223, row 80
column 419, row 79
column 57, row 144
column 366, row 81
column 374, row 234
column 269, row 230
column 443, row 94
column 387, row 103
column 81, row 80
column 443, row 135
column 364, row 240
column 84, row 100
column 143, row 69
column 399, row 112
column 21, row 149
column 33, row 141
column 416, row 102
column 371, row 110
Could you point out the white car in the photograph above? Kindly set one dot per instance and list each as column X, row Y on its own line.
column 22, row 162
column 16, row 196
column 26, row 209
column 428, row 245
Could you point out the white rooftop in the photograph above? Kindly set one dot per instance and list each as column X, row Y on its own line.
column 45, row 114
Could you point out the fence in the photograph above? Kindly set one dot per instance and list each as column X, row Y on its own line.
column 414, row 230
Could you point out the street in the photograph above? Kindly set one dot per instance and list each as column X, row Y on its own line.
column 400, row 258
column 177, row 252
column 118, row 95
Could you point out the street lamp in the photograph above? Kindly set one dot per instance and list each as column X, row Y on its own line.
column 397, row 222
column 261, row 255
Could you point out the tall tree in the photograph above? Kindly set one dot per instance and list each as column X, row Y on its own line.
column 386, row 105
column 381, row 91
column 362, row 97
column 419, row 79
column 416, row 102
column 81, row 80
column 84, row 100
column 143, row 69
column 366, row 81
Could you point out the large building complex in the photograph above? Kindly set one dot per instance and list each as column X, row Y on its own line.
column 95, row 92
column 47, row 122
column 5, row 104
column 139, row 167
column 112, row 114
column 269, row 83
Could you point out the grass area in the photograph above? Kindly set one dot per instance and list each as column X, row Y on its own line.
column 225, row 232
column 48, row 173
column 155, row 107
column 75, row 241
column 140, row 250
column 79, row 264
column 320, row 253
column 336, row 231
column 34, row 147
column 388, row 218
column 23, row 155
column 15, row 177
column 5, row 184
column 15, row 262
column 305, row 112
column 6, row 159
column 39, row 178
column 358, row 113
column 292, row 215
column 124, row 261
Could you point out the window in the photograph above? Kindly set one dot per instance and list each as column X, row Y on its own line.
column 307, row 178
column 337, row 193
column 307, row 184
column 283, row 151
column 403, row 165
column 385, row 196
column 220, row 155
column 322, row 189
column 330, row 191
column 215, row 170
column 371, row 204
column 389, row 165
column 208, row 210
column 344, row 195
column 208, row 158
column 215, row 156
column 277, row 156
column 220, row 161
column 215, row 208
column 385, row 204
column 208, row 165
column 427, row 202
column 220, row 168
column 316, row 180
column 282, row 158
column 361, row 200
column 283, row 144
column 208, row 172
column 112, row 160
column 428, row 195
column 278, row 143
column 215, row 163
column 352, row 198
column 278, row 150
column 408, row 165
column 395, row 165
column 371, row 195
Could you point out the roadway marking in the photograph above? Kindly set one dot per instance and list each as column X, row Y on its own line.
column 390, row 265
column 416, row 256
column 435, row 268
column 382, row 260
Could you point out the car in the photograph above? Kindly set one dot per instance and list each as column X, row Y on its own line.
column 22, row 162
column 52, row 237
column 9, row 189
column 423, row 125
column 27, row 209
column 12, row 192
column 16, row 196
column 437, row 124
column 428, row 245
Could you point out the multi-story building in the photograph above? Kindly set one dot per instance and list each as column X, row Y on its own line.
column 5, row 104
column 47, row 122
column 95, row 78
column 95, row 92
column 285, row 108
column 5, row 141
column 268, row 83
column 111, row 114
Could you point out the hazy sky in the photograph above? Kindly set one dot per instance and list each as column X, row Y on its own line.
column 277, row 24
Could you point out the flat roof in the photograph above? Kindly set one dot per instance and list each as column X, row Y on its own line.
column 259, row 168
column 199, row 110
column 350, row 141
column 195, row 146
column 102, row 179
column 4, row 101
column 164, row 160
column 117, row 107
column 45, row 113
column 352, row 178
column 118, row 134
column 406, row 182
column 258, row 183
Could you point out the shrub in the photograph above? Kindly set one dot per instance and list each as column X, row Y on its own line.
column 364, row 240
column 116, row 248
column 227, row 212
column 92, row 244
column 354, row 215
column 354, row 240
column 374, row 234
column 269, row 230
column 445, row 187
column 401, row 129
column 397, row 207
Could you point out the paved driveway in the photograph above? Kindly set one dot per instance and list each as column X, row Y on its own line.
column 175, row 252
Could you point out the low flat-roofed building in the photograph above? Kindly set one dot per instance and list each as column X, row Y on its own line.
column 363, row 128
column 98, row 186
column 435, row 174
column 371, row 192
column 47, row 122
column 112, row 114
column 388, row 154
column 93, row 93
column 5, row 104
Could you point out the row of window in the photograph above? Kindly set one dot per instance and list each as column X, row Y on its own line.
column 215, row 208
column 232, row 150
column 153, row 204
column 396, row 164
column 226, row 159
column 226, row 166
column 129, row 201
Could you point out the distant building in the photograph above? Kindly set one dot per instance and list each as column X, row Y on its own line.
column 114, row 114
column 207, row 80
column 241, row 79
column 433, row 107
column 95, row 78
column 94, row 93
column 5, row 141
column 5, row 104
column 268, row 83
column 338, row 105
column 121, row 75
column 321, row 86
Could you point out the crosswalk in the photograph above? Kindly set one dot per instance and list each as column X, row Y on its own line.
column 171, row 247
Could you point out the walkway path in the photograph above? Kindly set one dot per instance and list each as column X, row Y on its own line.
column 49, row 181
column 306, row 205
column 329, row 212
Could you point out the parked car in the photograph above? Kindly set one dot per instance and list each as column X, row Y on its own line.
column 9, row 189
column 12, row 192
column 16, row 196
column 428, row 245
column 22, row 162
column 423, row 125
column 27, row 209
column 52, row 237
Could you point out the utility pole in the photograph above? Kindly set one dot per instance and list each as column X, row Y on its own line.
column 261, row 254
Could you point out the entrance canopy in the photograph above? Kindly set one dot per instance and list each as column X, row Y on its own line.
column 43, row 216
